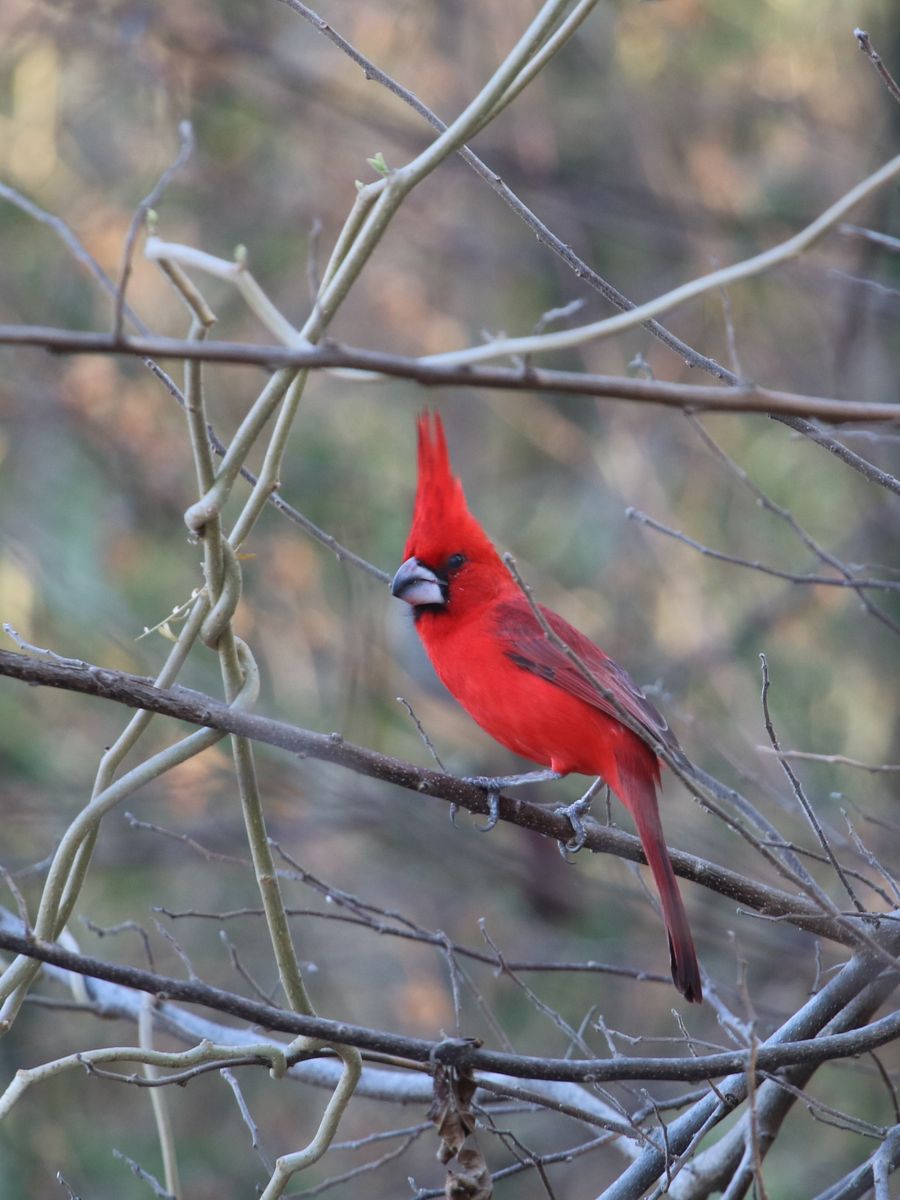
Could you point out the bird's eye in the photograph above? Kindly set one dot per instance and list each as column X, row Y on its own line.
column 455, row 561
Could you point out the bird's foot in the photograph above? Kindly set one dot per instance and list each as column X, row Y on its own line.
column 493, row 785
column 493, row 799
column 575, row 812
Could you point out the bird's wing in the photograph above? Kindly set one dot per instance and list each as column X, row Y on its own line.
column 526, row 644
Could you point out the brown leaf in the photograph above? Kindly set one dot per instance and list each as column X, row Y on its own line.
column 451, row 1113
column 473, row 1180
column 449, row 1110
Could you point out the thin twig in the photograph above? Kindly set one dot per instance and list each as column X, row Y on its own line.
column 185, row 150
column 255, row 1141
column 145, row 1176
column 429, row 744
column 800, row 794
column 792, row 576
column 823, row 555
column 60, row 1179
column 746, row 269
column 16, row 892
column 870, row 235
column 865, row 44
column 260, row 993
column 835, row 760
column 124, row 927
column 536, row 1002
column 427, row 937
column 364, row 1168
column 864, row 851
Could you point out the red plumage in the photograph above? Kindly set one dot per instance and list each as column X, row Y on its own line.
column 493, row 656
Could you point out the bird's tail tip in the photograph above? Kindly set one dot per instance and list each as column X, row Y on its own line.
column 686, row 972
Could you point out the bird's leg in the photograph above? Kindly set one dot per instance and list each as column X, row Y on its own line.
column 575, row 812
column 494, row 784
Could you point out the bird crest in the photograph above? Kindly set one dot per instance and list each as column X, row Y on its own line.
column 442, row 523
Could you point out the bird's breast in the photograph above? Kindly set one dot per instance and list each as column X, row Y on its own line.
column 526, row 713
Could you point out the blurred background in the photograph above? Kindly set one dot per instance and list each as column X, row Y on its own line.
column 667, row 139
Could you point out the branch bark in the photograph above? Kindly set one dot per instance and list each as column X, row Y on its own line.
column 465, row 1053
column 196, row 708
column 742, row 398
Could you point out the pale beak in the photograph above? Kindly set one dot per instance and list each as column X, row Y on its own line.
column 417, row 584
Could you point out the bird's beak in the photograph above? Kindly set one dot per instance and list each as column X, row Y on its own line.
column 417, row 584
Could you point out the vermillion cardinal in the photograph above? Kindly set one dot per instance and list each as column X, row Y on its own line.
column 491, row 653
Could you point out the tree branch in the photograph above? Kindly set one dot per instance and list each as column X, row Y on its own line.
column 461, row 1053
column 744, row 398
column 198, row 709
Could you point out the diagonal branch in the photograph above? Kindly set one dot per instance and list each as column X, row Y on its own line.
column 198, row 709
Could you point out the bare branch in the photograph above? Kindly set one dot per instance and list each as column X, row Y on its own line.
column 873, row 1173
column 835, row 760
column 870, row 235
column 136, row 1169
column 865, row 44
column 742, row 398
column 842, row 1003
column 202, row 710
column 797, row 787
column 186, row 149
column 792, row 576
column 463, row 1053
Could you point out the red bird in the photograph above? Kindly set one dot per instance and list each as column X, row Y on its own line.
column 491, row 653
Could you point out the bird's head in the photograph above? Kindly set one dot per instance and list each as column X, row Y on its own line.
column 451, row 565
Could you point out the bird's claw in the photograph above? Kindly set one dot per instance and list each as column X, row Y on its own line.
column 491, row 785
column 574, row 812
column 493, row 799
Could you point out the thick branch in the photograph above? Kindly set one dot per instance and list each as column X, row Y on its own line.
column 840, row 1002
column 460, row 1052
column 109, row 1000
column 199, row 709
column 742, row 398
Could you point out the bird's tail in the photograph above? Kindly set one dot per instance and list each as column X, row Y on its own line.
column 637, row 790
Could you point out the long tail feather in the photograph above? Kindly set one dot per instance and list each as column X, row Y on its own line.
column 637, row 790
